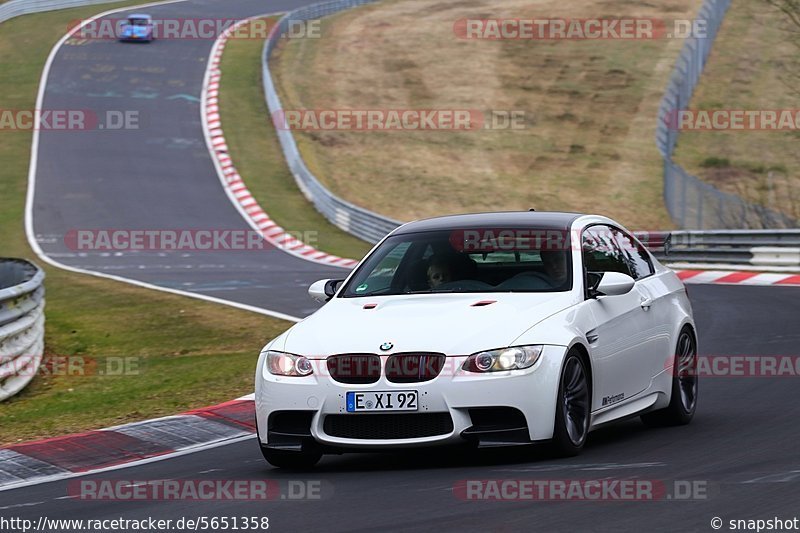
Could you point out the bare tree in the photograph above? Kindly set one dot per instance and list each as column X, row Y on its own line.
column 791, row 11
column 791, row 8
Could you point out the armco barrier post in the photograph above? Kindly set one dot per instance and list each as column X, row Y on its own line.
column 21, row 324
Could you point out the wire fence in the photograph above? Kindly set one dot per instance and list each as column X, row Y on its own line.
column 691, row 202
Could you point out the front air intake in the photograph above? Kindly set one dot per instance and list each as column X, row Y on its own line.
column 414, row 367
column 355, row 368
column 388, row 426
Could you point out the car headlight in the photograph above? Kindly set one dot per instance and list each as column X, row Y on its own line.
column 287, row 364
column 513, row 358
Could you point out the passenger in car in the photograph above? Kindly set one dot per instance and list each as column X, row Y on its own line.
column 555, row 266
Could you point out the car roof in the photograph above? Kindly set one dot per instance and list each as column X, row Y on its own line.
column 139, row 16
column 547, row 220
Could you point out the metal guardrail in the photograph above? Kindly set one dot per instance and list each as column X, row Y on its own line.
column 21, row 324
column 349, row 217
column 763, row 248
column 16, row 8
column 690, row 201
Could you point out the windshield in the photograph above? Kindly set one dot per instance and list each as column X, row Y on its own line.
column 466, row 261
column 138, row 22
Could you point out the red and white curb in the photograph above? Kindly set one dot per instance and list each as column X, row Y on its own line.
column 127, row 445
column 231, row 180
column 723, row 277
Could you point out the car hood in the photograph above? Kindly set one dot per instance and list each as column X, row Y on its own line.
column 445, row 323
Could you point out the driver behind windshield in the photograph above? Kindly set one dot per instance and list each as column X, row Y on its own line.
column 439, row 271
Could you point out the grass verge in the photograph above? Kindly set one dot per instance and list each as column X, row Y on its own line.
column 754, row 65
column 181, row 353
column 257, row 154
column 590, row 109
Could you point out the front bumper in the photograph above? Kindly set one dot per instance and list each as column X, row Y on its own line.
column 136, row 38
column 456, row 406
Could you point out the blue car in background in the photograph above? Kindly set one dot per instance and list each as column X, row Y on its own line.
column 138, row 28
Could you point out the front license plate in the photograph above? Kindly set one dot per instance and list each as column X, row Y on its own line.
column 397, row 400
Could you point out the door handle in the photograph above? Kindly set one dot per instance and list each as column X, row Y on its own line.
column 646, row 303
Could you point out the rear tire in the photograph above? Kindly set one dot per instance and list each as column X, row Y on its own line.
column 683, row 402
column 573, row 407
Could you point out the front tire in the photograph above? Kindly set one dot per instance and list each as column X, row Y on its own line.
column 683, row 402
column 573, row 408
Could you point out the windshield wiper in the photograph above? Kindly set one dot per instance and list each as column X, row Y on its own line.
column 431, row 291
column 383, row 291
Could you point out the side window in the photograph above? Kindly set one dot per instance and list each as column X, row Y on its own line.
column 635, row 254
column 601, row 252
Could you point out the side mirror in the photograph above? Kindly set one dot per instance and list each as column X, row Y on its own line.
column 324, row 289
column 614, row 284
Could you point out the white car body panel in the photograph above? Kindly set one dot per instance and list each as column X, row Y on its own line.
column 630, row 347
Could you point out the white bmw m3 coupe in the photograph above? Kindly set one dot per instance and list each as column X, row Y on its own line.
column 492, row 329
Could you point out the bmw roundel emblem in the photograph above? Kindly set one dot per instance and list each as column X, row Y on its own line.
column 386, row 346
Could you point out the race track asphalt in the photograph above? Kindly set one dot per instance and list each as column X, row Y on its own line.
column 158, row 176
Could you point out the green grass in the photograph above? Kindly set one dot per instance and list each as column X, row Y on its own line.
column 257, row 155
column 188, row 353
column 753, row 65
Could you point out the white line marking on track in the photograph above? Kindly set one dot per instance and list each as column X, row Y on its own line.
column 31, row 235
column 18, row 505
